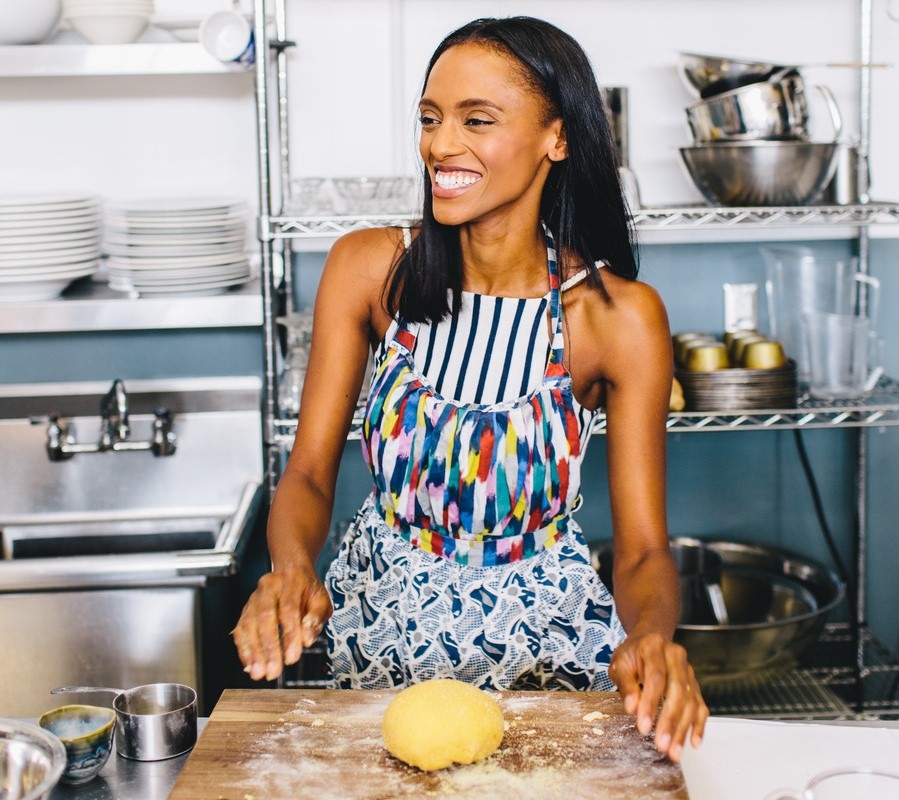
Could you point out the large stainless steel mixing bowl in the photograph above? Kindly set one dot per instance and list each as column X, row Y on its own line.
column 760, row 173
column 31, row 761
column 776, row 603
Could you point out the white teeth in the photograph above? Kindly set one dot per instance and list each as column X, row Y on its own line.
column 453, row 180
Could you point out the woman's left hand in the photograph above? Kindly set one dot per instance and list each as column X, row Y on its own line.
column 650, row 670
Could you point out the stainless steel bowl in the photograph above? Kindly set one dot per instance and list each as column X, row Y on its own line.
column 770, row 109
column 698, row 567
column 31, row 761
column 776, row 108
column 760, row 173
column 776, row 603
column 707, row 75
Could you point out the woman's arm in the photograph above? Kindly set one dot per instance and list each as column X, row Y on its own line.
column 636, row 371
column 289, row 607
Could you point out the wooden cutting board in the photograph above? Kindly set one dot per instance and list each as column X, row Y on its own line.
column 271, row 744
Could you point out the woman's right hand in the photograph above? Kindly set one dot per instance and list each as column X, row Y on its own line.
column 290, row 606
column 284, row 615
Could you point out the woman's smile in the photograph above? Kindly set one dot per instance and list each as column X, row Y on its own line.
column 451, row 182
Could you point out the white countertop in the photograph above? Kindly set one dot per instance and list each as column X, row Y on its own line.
column 745, row 759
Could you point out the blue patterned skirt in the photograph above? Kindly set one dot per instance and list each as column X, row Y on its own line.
column 402, row 615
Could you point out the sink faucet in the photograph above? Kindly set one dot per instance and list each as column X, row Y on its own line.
column 115, row 430
column 114, row 416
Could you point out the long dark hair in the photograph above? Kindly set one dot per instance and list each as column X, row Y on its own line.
column 582, row 202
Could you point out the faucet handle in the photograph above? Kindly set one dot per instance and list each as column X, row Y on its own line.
column 164, row 439
column 114, row 411
column 57, row 437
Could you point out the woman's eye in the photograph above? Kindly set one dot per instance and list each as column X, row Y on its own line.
column 476, row 122
column 426, row 120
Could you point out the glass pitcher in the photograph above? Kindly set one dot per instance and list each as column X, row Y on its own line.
column 798, row 281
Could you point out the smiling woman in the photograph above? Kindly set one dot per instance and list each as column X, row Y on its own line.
column 484, row 155
column 500, row 325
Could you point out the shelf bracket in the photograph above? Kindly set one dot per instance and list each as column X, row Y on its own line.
column 280, row 45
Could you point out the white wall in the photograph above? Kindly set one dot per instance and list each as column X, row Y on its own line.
column 354, row 79
column 357, row 71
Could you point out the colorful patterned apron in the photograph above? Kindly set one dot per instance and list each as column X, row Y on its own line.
column 454, row 565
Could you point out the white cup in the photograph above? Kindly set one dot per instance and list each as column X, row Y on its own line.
column 228, row 36
column 846, row 784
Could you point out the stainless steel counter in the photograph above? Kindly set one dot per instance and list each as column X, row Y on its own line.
column 782, row 749
column 123, row 779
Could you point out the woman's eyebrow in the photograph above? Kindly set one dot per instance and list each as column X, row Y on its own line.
column 473, row 102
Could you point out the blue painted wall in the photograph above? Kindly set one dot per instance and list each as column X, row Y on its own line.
column 745, row 485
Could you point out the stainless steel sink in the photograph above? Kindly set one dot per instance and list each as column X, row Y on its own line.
column 110, row 560
column 109, row 537
column 120, row 516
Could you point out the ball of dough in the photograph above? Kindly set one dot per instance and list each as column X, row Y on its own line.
column 440, row 722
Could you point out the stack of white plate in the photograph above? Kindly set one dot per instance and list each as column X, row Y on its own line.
column 177, row 246
column 46, row 242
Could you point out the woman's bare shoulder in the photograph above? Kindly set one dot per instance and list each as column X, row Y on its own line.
column 355, row 276
column 626, row 304
column 630, row 322
column 371, row 251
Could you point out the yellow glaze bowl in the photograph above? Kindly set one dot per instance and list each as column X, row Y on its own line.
column 707, row 357
column 763, row 355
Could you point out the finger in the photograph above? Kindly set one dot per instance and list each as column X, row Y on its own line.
column 263, row 610
column 244, row 640
column 272, row 659
column 290, row 611
column 702, row 716
column 682, row 723
column 654, row 685
column 628, row 684
column 249, row 647
column 695, row 715
column 318, row 610
column 677, row 699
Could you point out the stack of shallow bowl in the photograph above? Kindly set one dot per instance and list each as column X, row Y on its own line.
column 177, row 246
column 740, row 389
column 725, row 375
column 751, row 133
column 108, row 21
column 46, row 242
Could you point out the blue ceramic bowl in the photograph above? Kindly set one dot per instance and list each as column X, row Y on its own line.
column 86, row 732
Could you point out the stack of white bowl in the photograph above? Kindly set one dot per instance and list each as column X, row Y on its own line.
column 46, row 242
column 177, row 246
column 108, row 21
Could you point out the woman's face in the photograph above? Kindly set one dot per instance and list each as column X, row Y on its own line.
column 484, row 138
